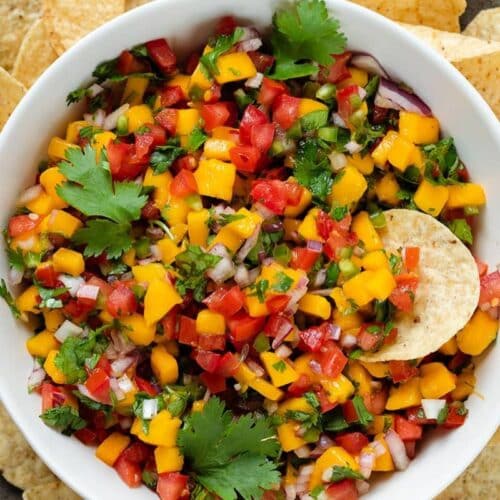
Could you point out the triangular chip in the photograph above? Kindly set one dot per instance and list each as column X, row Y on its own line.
column 11, row 92
column 486, row 25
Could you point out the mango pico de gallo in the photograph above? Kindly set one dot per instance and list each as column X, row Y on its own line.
column 201, row 262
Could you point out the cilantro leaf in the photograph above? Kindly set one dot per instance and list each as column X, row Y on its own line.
column 339, row 212
column 15, row 258
column 443, row 415
column 461, row 229
column 304, row 35
column 65, row 419
column 76, row 95
column 280, row 366
column 196, row 139
column 219, row 46
column 340, row 473
column 283, row 282
column 49, row 296
column 164, row 156
column 260, row 288
column 75, row 351
column 92, row 404
column 138, row 408
column 9, row 300
column 364, row 416
column 229, row 457
column 101, row 235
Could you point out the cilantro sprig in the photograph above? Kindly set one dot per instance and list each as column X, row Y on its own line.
column 9, row 300
column 65, row 419
column 219, row 46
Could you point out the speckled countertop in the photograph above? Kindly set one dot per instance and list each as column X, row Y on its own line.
column 481, row 480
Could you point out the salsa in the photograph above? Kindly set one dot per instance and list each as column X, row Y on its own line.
column 202, row 264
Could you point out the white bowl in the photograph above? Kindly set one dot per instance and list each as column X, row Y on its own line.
column 186, row 24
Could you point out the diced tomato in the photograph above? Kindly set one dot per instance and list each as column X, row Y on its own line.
column 77, row 310
column 47, row 276
column 490, row 287
column 325, row 404
column 171, row 485
column 128, row 63
column 87, row 436
column 162, row 55
column 52, row 396
column 187, row 331
column 412, row 257
column 293, row 192
column 167, row 118
column 300, row 386
column 391, row 337
column 172, row 95
column 325, row 224
column 352, row 442
column 314, row 337
column 226, row 301
column 456, row 417
column 408, row 431
column 285, row 110
column 188, row 162
column 401, row 371
column 338, row 70
column 252, row 118
column 245, row 158
column 304, row 258
column 370, row 341
column 261, row 61
column 345, row 107
column 121, row 301
column 218, row 114
column 269, row 90
column 130, row 472
column 104, row 364
column 213, row 94
column 277, row 325
column 212, row 342
column 142, row 147
column 410, row 447
column 158, row 134
column 482, row 267
column 271, row 194
column 349, row 412
column 277, row 303
column 98, row 384
column 262, row 136
column 207, row 360
column 119, row 154
column 228, row 364
column 416, row 415
column 137, row 452
column 243, row 328
column 145, row 386
column 331, row 359
column 226, row 25
column 338, row 240
column 214, row 383
column 169, row 324
column 375, row 401
column 402, row 296
column 22, row 224
column 183, row 184
column 458, row 361
column 343, row 490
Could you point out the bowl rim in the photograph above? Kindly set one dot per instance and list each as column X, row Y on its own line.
column 486, row 115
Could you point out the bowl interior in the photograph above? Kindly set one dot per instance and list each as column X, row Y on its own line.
column 186, row 23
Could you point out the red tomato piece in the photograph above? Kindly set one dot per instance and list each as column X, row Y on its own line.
column 338, row 70
column 331, row 359
column 47, row 276
column 98, row 384
column 269, row 90
column 277, row 303
column 226, row 25
column 212, row 342
column 87, row 436
column 277, row 325
column 169, row 324
column 158, row 133
column 187, row 331
column 352, row 442
column 77, row 310
column 261, row 61
column 408, row 431
column 171, row 485
column 228, row 364
column 349, row 412
column 456, row 417
column 325, row 224
column 271, row 194
column 243, row 328
column 167, row 118
column 52, row 396
column 217, row 114
column 22, row 224
column 416, row 415
column 345, row 107
column 207, row 360
column 130, row 472
column 370, row 341
column 293, row 193
column 214, row 383
column 163, row 56
column 410, row 447
column 187, row 162
column 285, row 110
column 304, row 258
column 252, row 118
column 104, row 364
column 402, row 296
column 137, row 452
column 325, row 404
column 128, row 63
column 412, row 257
column 226, row 301
column 401, row 371
column 490, row 287
column 375, row 401
column 121, row 301
column 245, row 158
column 314, row 337
column 300, row 386
column 183, row 184
column 172, row 95
column 343, row 490
column 145, row 386
column 119, row 155
column 262, row 136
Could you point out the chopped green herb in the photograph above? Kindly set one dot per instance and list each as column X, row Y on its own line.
column 164, row 156
column 196, row 139
column 65, row 419
column 220, row 45
column 9, row 300
column 49, row 296
column 332, row 275
column 339, row 473
column 260, row 288
column 364, row 416
column 314, row 120
column 356, row 354
column 443, row 415
column 461, row 229
column 312, row 399
column 280, row 366
column 338, row 213
column 261, row 343
column 282, row 283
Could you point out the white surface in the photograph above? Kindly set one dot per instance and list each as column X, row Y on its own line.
column 186, row 23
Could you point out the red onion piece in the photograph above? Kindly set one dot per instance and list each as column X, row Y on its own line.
column 36, row 377
column 284, row 329
column 348, row 340
column 30, row 194
column 225, row 268
column 67, row 329
column 362, row 486
column 111, row 120
column 94, row 89
column 248, row 245
column 391, row 96
column 397, row 449
column 88, row 292
column 365, row 61
column 353, row 147
column 121, row 365
column 283, row 351
column 366, row 463
column 254, row 82
column 15, row 276
column 334, row 331
column 315, row 246
column 303, row 452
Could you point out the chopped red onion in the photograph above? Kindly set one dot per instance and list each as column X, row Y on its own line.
column 397, row 449
column 378, row 448
column 249, row 45
column 283, row 331
column 241, row 276
column 270, row 406
column 121, row 365
column 111, row 120
column 30, row 194
column 315, row 366
column 432, row 407
column 125, row 423
column 303, row 477
column 283, row 351
column 67, row 329
column 361, row 93
column 323, row 444
column 334, row 331
column 366, row 463
column 367, row 62
column 72, row 283
column 256, row 368
column 319, row 278
column 348, row 340
column 353, row 147
column 362, row 486
column 248, row 245
column 303, row 452
column 337, row 160
column 290, row 492
column 225, row 268
column 96, row 119
column 256, row 81
column 248, row 32
column 147, row 260
column 36, row 377
column 125, row 384
column 94, row 89
column 27, row 244
column 338, row 120
column 88, row 292
column 263, row 210
column 113, row 382
column 391, row 96
column 315, row 246
column 244, row 353
column 494, row 311
column 149, row 408
column 15, row 276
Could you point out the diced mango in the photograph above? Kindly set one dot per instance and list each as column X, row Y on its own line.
column 163, row 430
column 377, row 369
column 176, row 212
column 215, row 178
column 279, row 370
column 381, row 153
column 161, row 183
column 68, row 261
column 128, row 258
column 228, row 238
column 381, row 284
column 161, row 296
column 137, row 116
column 245, row 226
column 340, row 300
column 358, row 77
column 101, row 140
column 266, row 389
column 53, row 319
column 198, row 406
column 62, row 222
column 338, row 390
column 374, row 260
column 347, row 321
column 50, row 179
column 401, row 153
column 218, row 149
column 244, row 375
column 308, row 228
column 405, row 395
column 149, row 272
column 168, row 250
column 295, row 404
column 436, row 380
column 134, row 90
column 302, row 367
column 307, row 106
column 111, row 448
column 387, row 188
column 41, row 205
column 58, row 147
column 364, row 164
column 356, row 288
column 198, row 80
column 164, row 365
column 137, row 330
column 380, row 424
column 304, row 202
column 73, row 130
column 187, row 120
column 383, row 462
column 28, row 300
column 363, row 227
column 210, row 323
column 463, row 195
column 288, row 437
column 52, row 370
column 42, row 343
column 315, row 305
column 477, row 334
column 449, row 348
column 466, row 382
column 349, row 186
column 198, row 227
column 431, row 198
column 360, row 376
column 181, row 81
column 417, row 128
column 333, row 456
column 234, row 67
column 168, row 459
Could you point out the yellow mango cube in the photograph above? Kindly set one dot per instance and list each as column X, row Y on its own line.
column 401, row 153
column 227, row 237
column 53, row 319
column 376, row 259
column 63, row 223
column 381, row 284
column 111, row 448
column 449, row 348
column 263, row 387
column 288, row 436
column 168, row 459
column 41, row 205
column 68, row 261
column 364, row 164
column 149, row 272
column 168, row 250
column 164, row 365
column 101, row 140
column 308, row 228
column 218, row 149
column 358, row 77
column 315, row 305
column 161, row 184
column 417, row 128
column 405, row 395
column 347, row 321
column 333, row 456
column 338, row 390
column 387, row 188
column 181, row 81
column 356, row 288
column 58, row 147
column 363, row 227
column 436, row 380
column 431, row 198
column 360, row 376
column 234, row 67
column 383, row 462
column 42, row 343
column 52, row 370
column 198, row 227
column 215, row 178
column 477, row 334
column 244, row 375
column 463, row 195
column 134, row 90
column 210, row 323
column 304, row 202
column 340, row 300
column 307, row 106
column 28, row 300
column 245, row 226
column 73, row 130
column 198, row 79
column 50, row 179
column 466, row 382
column 349, row 186
column 187, row 120
column 137, row 330
column 279, row 370
column 381, row 153
column 161, row 296
column 254, row 306
column 377, row 369
column 137, row 116
column 163, row 430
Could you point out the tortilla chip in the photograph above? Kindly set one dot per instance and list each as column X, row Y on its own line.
column 31, row 472
column 132, row 4
column 477, row 60
column 448, row 290
column 11, row 92
column 35, row 55
column 16, row 16
column 55, row 490
column 485, row 25
column 66, row 21
column 439, row 14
